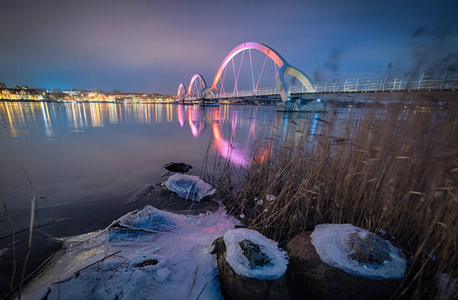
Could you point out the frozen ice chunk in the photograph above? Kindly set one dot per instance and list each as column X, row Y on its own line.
column 189, row 187
column 148, row 218
column 269, row 262
column 358, row 251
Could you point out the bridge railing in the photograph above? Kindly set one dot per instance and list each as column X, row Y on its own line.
column 250, row 93
column 447, row 80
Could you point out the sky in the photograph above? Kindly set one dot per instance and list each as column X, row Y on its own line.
column 153, row 45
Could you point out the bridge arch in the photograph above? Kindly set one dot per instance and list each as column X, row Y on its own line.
column 181, row 92
column 284, row 67
column 200, row 90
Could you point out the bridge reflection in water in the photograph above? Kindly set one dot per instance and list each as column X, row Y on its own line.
column 234, row 131
column 77, row 151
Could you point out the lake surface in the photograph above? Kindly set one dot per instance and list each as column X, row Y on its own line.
column 86, row 159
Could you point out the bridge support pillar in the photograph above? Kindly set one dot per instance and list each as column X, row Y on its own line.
column 282, row 89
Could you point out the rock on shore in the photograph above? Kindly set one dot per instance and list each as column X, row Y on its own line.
column 251, row 266
column 341, row 261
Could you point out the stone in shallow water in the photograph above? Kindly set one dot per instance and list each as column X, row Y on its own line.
column 178, row 167
column 189, row 187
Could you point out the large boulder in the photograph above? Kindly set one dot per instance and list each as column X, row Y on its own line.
column 341, row 261
column 251, row 266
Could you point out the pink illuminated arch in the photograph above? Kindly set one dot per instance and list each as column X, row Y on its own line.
column 284, row 67
column 181, row 92
column 193, row 79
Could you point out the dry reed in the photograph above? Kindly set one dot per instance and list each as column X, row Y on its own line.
column 393, row 172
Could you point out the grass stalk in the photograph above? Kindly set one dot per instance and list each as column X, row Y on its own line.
column 392, row 171
column 13, row 245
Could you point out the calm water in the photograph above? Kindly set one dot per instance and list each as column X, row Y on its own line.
column 86, row 159
column 78, row 153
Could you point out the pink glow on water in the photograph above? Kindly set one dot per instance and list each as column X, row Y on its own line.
column 180, row 112
column 234, row 123
column 264, row 154
column 227, row 150
column 195, row 130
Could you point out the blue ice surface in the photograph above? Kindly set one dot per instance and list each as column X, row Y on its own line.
column 122, row 234
column 148, row 218
column 189, row 187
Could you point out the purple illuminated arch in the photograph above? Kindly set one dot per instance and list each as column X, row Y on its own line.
column 194, row 77
column 284, row 67
column 181, row 92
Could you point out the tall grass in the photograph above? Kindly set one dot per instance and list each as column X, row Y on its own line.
column 393, row 172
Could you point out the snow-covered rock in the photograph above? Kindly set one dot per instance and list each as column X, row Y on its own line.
column 251, row 266
column 276, row 260
column 341, row 261
column 189, row 187
column 358, row 251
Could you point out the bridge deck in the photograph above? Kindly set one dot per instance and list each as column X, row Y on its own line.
column 403, row 83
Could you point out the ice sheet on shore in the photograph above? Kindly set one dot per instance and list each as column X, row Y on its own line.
column 162, row 256
column 189, row 187
column 331, row 242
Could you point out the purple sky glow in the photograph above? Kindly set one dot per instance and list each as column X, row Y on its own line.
column 152, row 46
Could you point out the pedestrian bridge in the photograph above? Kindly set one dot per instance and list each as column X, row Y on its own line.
column 408, row 82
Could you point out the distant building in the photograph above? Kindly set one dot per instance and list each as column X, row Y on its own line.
column 121, row 97
column 20, row 94
column 142, row 97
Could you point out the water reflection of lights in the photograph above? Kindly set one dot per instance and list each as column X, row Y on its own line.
column 234, row 122
column 180, row 110
column 79, row 116
column 240, row 153
column 168, row 107
column 198, row 126
column 96, row 117
column 113, row 111
column 10, row 115
column 47, row 120
column 228, row 149
column 216, row 115
column 312, row 132
column 264, row 153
